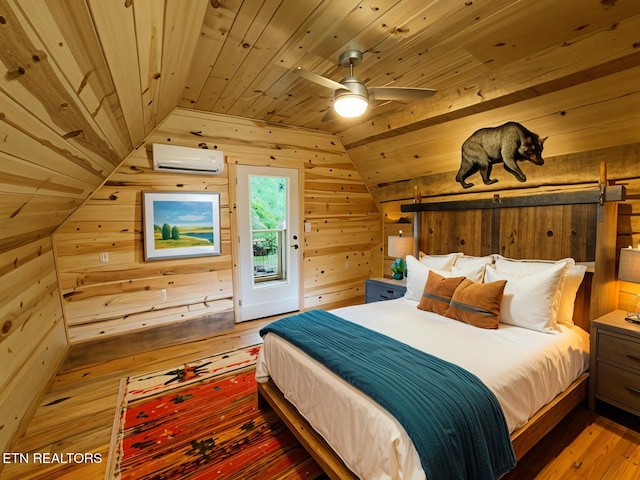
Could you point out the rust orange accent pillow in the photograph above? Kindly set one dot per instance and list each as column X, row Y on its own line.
column 477, row 304
column 438, row 291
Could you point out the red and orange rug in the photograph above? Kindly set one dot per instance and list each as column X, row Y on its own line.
column 202, row 421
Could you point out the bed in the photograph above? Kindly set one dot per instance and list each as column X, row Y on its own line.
column 537, row 376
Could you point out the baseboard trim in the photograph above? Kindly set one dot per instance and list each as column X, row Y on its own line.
column 107, row 348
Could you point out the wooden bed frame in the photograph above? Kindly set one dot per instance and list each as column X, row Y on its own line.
column 585, row 231
column 523, row 439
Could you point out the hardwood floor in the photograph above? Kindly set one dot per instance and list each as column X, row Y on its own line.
column 77, row 412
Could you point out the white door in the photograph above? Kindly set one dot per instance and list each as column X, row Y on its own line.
column 269, row 241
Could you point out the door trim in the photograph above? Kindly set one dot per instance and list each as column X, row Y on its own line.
column 235, row 235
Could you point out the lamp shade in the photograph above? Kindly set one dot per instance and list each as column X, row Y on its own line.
column 400, row 246
column 629, row 270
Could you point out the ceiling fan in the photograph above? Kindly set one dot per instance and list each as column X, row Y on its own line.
column 351, row 97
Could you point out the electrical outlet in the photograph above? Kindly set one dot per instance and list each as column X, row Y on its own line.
column 307, row 227
column 346, row 265
column 163, row 294
column 104, row 257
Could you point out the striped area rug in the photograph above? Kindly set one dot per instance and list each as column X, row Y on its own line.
column 201, row 421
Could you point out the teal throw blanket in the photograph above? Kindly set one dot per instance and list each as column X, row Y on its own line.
column 453, row 419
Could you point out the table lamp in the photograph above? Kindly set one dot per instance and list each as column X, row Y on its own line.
column 399, row 247
column 629, row 271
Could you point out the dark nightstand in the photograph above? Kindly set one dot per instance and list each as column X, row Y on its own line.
column 378, row 289
column 615, row 362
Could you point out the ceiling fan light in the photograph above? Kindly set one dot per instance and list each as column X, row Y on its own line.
column 350, row 105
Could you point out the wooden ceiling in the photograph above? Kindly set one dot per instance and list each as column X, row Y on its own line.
column 98, row 76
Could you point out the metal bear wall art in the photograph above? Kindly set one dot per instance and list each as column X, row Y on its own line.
column 507, row 144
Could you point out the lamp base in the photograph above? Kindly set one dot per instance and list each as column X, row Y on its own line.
column 633, row 315
column 632, row 318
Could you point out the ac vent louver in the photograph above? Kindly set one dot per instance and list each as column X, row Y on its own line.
column 171, row 158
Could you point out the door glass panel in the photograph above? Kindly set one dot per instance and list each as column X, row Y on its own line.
column 268, row 198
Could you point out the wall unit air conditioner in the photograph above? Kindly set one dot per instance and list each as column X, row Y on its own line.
column 171, row 158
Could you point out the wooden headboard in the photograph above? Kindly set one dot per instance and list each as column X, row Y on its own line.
column 551, row 226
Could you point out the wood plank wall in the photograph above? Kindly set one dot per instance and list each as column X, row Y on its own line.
column 33, row 338
column 564, row 172
column 122, row 296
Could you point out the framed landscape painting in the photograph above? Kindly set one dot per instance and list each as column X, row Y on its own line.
column 180, row 224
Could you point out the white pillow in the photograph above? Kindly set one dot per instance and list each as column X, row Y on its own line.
column 417, row 274
column 570, row 284
column 572, row 280
column 439, row 262
column 530, row 300
column 523, row 267
column 473, row 273
column 468, row 261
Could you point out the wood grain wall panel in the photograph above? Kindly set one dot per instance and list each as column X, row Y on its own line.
column 136, row 322
column 338, row 19
column 71, row 42
column 227, row 53
column 32, row 331
column 115, row 26
column 182, row 27
column 93, row 303
column 436, row 149
column 547, row 233
column 29, row 140
column 34, row 205
column 30, row 76
column 102, row 299
column 108, row 299
column 216, row 28
column 588, row 57
column 149, row 19
column 267, row 37
column 446, row 232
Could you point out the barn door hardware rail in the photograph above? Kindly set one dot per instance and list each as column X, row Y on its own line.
column 614, row 193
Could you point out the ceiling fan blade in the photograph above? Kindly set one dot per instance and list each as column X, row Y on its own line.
column 319, row 79
column 400, row 94
column 330, row 115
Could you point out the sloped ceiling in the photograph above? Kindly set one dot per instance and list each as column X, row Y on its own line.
column 84, row 81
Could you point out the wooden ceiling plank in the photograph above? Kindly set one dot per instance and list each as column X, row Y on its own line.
column 71, row 42
column 402, row 32
column 340, row 22
column 251, row 20
column 23, row 177
column 555, row 68
column 385, row 29
column 272, row 35
column 31, row 78
column 241, row 131
column 182, row 27
column 216, row 29
column 413, row 35
column 496, row 42
column 115, row 26
column 14, row 204
column 149, row 19
column 33, row 226
column 24, row 136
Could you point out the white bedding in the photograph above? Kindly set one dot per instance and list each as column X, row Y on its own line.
column 525, row 369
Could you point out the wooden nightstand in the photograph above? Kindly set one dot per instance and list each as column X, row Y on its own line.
column 615, row 362
column 378, row 289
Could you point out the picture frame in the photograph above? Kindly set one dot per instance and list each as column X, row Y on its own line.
column 180, row 224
